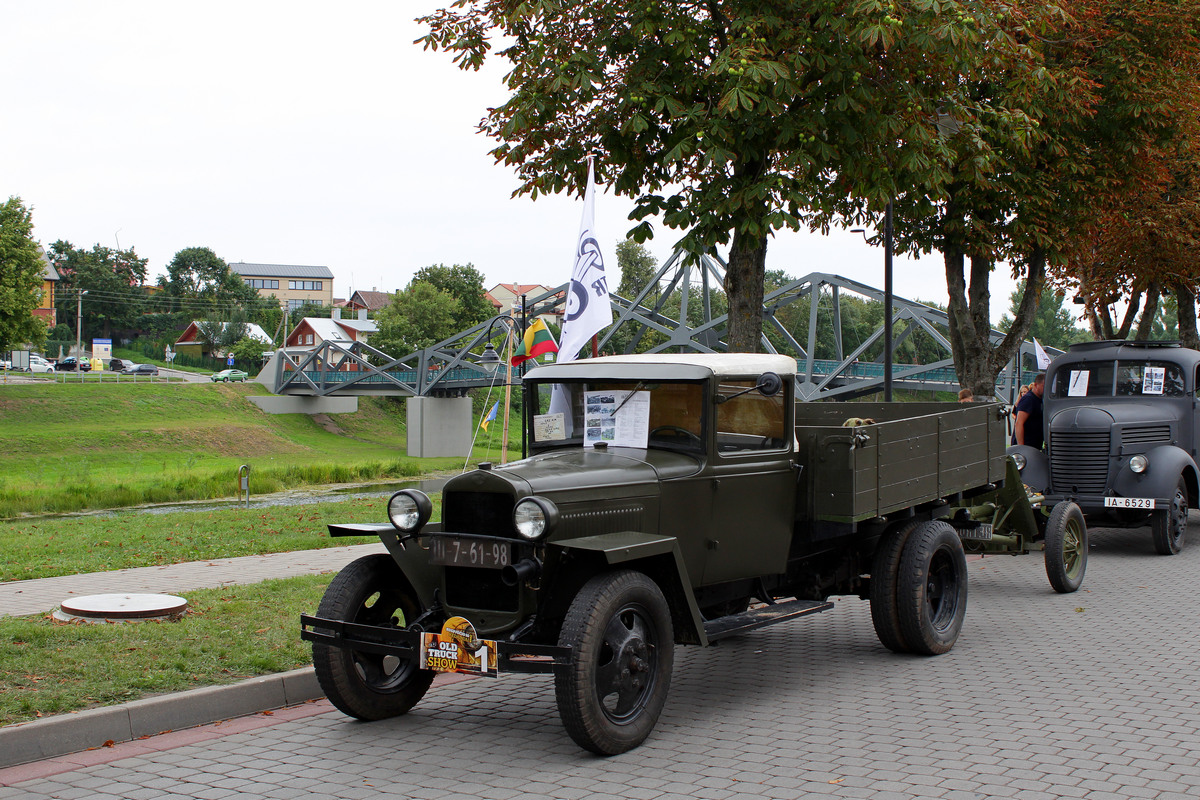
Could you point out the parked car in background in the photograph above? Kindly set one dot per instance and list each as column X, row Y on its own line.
column 71, row 364
column 119, row 364
column 140, row 369
column 228, row 375
column 39, row 364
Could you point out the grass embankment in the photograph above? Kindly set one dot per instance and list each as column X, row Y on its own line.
column 68, row 447
column 227, row 635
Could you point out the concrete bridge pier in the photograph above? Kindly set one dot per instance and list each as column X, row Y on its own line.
column 439, row 426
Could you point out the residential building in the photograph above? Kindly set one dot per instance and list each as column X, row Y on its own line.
column 371, row 301
column 503, row 296
column 46, row 310
column 312, row 332
column 291, row 284
column 189, row 342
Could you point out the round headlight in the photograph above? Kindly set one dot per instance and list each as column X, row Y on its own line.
column 409, row 509
column 1139, row 463
column 534, row 517
column 1019, row 460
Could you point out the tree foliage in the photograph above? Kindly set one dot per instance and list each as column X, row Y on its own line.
column 112, row 280
column 1053, row 324
column 418, row 317
column 465, row 284
column 20, row 277
column 731, row 120
column 199, row 282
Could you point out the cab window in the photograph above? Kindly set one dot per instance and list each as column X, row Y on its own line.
column 748, row 421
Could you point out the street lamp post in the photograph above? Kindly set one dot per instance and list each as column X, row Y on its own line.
column 79, row 332
column 887, row 303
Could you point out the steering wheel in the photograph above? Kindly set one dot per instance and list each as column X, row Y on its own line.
column 677, row 432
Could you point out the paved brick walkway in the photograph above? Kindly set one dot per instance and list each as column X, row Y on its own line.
column 1092, row 695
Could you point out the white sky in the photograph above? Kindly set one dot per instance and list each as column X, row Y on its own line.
column 303, row 133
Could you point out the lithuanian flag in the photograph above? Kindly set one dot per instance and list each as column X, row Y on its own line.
column 538, row 340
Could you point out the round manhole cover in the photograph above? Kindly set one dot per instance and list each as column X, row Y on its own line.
column 122, row 607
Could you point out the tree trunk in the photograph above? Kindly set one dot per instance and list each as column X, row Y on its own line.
column 744, row 289
column 1135, row 303
column 1185, row 299
column 978, row 364
column 1146, row 322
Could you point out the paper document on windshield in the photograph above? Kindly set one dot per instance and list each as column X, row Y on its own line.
column 619, row 419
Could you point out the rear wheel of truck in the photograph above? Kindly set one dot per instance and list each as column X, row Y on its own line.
column 622, row 642
column 885, row 571
column 1066, row 547
column 931, row 590
column 1169, row 525
column 369, row 686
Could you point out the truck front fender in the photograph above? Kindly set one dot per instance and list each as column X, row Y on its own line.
column 1167, row 464
column 658, row 557
column 409, row 557
column 1036, row 472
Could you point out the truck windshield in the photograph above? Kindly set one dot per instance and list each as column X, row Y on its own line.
column 1119, row 379
column 662, row 414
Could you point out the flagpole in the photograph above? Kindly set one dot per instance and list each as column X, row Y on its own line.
column 507, row 361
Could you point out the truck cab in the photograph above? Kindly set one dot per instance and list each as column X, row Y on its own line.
column 1121, row 431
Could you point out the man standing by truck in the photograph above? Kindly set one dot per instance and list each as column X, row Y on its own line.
column 1028, row 428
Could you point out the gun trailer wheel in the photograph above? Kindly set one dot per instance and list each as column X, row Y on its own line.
column 369, row 686
column 1066, row 547
column 622, row 640
column 1169, row 525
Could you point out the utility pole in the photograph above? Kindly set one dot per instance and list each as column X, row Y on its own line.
column 79, row 330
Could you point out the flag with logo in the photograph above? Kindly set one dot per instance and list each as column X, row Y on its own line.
column 1043, row 358
column 537, row 341
column 589, row 309
column 491, row 415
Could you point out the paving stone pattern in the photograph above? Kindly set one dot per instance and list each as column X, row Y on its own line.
column 1091, row 695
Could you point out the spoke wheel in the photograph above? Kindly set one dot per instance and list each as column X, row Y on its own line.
column 369, row 686
column 1169, row 525
column 1066, row 547
column 619, row 629
column 931, row 590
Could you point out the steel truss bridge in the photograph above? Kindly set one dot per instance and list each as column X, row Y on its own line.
column 674, row 313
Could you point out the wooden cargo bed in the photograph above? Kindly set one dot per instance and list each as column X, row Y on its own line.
column 911, row 454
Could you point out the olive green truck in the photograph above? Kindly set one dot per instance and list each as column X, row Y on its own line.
column 670, row 499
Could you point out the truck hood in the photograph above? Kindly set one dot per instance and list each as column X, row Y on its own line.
column 1090, row 418
column 618, row 472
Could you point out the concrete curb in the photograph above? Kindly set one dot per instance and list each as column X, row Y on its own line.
column 70, row 733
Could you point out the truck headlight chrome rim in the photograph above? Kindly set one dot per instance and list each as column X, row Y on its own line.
column 1139, row 463
column 534, row 517
column 1019, row 460
column 408, row 510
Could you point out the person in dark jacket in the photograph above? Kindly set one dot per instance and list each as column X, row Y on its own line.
column 1028, row 427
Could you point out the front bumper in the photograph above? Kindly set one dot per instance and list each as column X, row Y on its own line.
column 511, row 656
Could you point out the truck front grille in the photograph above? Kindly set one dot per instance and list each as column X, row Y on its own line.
column 1079, row 462
column 481, row 589
column 477, row 512
column 1146, row 434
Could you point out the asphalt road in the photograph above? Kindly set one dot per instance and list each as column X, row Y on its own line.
column 1091, row 695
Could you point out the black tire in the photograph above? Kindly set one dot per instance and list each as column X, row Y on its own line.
column 1169, row 525
column 931, row 589
column 1066, row 547
column 369, row 686
column 619, row 629
column 885, row 614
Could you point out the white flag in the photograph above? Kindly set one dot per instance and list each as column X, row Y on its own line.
column 589, row 310
column 1043, row 360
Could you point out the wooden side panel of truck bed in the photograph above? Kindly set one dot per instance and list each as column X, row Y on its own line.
column 912, row 453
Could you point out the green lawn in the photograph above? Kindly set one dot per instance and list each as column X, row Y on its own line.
column 73, row 446
column 227, row 635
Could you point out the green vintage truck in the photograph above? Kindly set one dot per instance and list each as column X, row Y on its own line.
column 667, row 499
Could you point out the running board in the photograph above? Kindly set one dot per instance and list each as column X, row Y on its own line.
column 761, row 617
